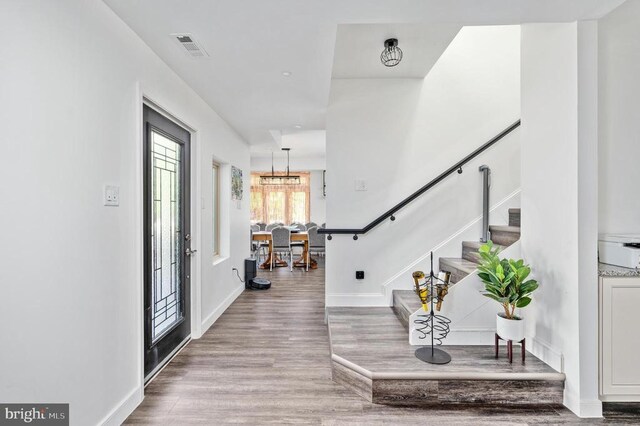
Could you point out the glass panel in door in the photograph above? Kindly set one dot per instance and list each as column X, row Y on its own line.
column 167, row 245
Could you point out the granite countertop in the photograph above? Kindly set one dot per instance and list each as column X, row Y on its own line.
column 605, row 270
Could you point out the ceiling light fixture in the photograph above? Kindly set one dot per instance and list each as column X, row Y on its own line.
column 392, row 54
column 286, row 73
column 298, row 126
column 280, row 180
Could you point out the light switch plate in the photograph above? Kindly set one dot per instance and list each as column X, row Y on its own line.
column 361, row 185
column 111, row 195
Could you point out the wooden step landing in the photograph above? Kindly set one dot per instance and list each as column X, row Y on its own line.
column 371, row 355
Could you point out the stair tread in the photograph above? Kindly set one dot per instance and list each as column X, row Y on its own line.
column 505, row 228
column 514, row 210
column 460, row 264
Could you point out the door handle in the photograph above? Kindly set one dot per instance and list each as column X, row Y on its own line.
column 189, row 252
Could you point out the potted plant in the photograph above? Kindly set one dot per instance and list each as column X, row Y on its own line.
column 505, row 281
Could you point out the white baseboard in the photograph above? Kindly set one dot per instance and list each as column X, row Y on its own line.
column 620, row 398
column 546, row 353
column 209, row 320
column 119, row 414
column 584, row 409
column 356, row 299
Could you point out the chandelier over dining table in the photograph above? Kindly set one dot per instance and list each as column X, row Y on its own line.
column 274, row 179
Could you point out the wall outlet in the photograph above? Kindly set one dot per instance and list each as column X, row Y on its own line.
column 359, row 275
column 111, row 195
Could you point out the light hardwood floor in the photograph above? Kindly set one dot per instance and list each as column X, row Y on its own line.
column 266, row 361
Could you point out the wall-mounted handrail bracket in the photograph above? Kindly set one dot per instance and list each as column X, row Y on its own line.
column 390, row 214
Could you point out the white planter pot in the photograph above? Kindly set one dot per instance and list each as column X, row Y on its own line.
column 510, row 329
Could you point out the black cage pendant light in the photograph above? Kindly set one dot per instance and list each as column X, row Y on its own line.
column 280, row 180
column 392, row 54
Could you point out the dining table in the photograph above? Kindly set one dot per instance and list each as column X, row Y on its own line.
column 277, row 261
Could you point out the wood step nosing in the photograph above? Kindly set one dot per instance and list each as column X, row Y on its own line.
column 504, row 228
column 462, row 268
column 444, row 375
column 477, row 244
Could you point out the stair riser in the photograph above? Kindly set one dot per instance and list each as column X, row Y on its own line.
column 470, row 254
column 448, row 393
column 401, row 312
column 504, row 238
column 352, row 380
column 514, row 218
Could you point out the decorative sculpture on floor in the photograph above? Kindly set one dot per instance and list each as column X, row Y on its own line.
column 432, row 290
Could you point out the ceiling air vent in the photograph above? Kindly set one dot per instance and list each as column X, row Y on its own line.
column 190, row 46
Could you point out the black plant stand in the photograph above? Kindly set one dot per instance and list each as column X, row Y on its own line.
column 433, row 323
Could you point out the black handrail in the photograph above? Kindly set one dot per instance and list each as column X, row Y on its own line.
column 389, row 214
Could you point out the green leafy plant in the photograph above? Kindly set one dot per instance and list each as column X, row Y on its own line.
column 505, row 280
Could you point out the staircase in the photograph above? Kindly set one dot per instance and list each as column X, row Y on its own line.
column 502, row 236
column 372, row 356
column 405, row 302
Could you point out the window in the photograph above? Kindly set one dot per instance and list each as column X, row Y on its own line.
column 280, row 203
column 216, row 208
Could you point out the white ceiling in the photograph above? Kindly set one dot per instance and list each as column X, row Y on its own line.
column 251, row 42
column 309, row 143
column 358, row 47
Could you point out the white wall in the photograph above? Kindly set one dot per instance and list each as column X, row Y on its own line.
column 559, row 201
column 70, row 273
column 619, row 148
column 397, row 134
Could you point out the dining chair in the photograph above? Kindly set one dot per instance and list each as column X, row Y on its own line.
column 310, row 225
column 317, row 243
column 324, row 225
column 298, row 244
column 262, row 225
column 271, row 226
column 257, row 247
column 281, row 243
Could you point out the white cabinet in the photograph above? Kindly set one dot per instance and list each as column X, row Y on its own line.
column 620, row 338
